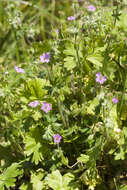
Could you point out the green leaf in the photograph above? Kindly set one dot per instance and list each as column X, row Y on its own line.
column 125, row 131
column 95, row 59
column 69, row 51
column 69, row 63
column 67, row 178
column 58, row 182
column 92, row 105
column 123, row 187
column 91, row 178
column 123, row 21
column 8, row 178
column 37, row 115
column 120, row 155
column 35, row 146
column 36, row 87
column 100, row 49
column 26, row 186
column 54, row 180
column 111, row 120
column 64, row 160
column 83, row 158
column 48, row 134
column 36, row 180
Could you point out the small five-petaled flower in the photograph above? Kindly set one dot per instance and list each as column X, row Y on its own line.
column 100, row 79
column 70, row 18
column 57, row 138
column 115, row 100
column 34, row 104
column 91, row 8
column 46, row 107
column 45, row 57
column 19, row 70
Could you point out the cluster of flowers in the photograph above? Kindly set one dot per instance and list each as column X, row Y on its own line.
column 91, row 8
column 46, row 107
column 45, row 58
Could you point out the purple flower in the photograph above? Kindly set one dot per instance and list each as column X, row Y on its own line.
column 70, row 18
column 57, row 138
column 45, row 57
column 46, row 107
column 19, row 70
column 100, row 79
column 115, row 100
column 91, row 8
column 34, row 104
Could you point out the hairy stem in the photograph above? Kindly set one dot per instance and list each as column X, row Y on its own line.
column 61, row 112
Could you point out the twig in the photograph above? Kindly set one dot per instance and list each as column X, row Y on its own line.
column 73, row 165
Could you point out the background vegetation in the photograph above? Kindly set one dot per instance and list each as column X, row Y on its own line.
column 63, row 95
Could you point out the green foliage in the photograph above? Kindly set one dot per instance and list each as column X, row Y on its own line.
column 35, row 146
column 8, row 178
column 95, row 59
column 83, row 158
column 123, row 187
column 35, row 88
column 56, row 181
column 36, row 180
column 62, row 97
column 69, row 63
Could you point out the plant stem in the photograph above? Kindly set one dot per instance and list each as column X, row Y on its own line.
column 67, row 7
column 115, row 184
column 42, row 27
column 1, row 12
column 53, row 9
column 17, row 48
column 123, row 94
column 72, row 84
column 76, row 49
column 73, row 165
column 61, row 112
column 78, row 61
